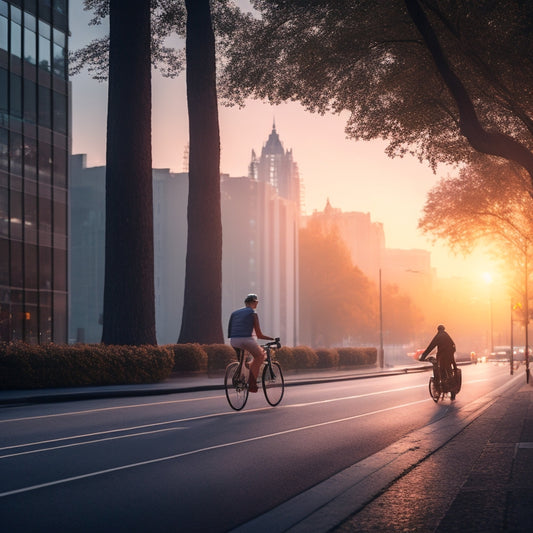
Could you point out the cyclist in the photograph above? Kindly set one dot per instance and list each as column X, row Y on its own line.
column 242, row 323
column 445, row 351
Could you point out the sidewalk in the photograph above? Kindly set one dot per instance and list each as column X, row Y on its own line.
column 470, row 471
column 480, row 481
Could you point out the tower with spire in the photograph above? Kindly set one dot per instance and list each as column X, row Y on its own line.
column 277, row 167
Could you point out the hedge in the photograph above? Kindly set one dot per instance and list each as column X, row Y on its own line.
column 25, row 366
column 188, row 357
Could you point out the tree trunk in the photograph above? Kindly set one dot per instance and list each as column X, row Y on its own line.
column 129, row 310
column 487, row 142
column 202, row 303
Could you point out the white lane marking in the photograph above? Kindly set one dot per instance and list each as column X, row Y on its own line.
column 120, row 430
column 203, row 398
column 202, row 417
column 72, row 445
column 118, row 407
column 200, row 450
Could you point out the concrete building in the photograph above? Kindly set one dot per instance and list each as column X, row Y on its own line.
column 260, row 254
column 260, row 249
column 88, row 250
column 34, row 148
column 365, row 239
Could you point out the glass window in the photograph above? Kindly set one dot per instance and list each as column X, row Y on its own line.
column 16, row 264
column 4, row 211
column 4, row 108
column 16, row 14
column 30, row 158
column 45, row 214
column 4, row 149
column 45, row 163
column 60, row 167
column 30, row 266
column 45, row 267
column 15, row 214
column 30, row 101
column 45, row 111
column 4, row 43
column 15, row 143
column 45, row 316
column 30, row 213
column 59, row 105
column 15, row 97
column 59, row 60
column 60, row 318
column 4, row 262
column 3, row 8
column 60, row 269
column 30, row 46
column 44, row 45
column 60, row 218
column 60, row 6
column 30, row 22
column 16, row 31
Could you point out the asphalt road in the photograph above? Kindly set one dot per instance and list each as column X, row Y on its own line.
column 187, row 462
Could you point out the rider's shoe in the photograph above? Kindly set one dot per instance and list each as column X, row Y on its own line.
column 252, row 386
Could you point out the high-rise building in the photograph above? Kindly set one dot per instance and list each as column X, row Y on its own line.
column 276, row 167
column 34, row 147
column 88, row 250
column 365, row 239
column 260, row 250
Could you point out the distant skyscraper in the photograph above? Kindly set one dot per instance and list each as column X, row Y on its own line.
column 34, row 146
column 365, row 239
column 260, row 221
column 276, row 167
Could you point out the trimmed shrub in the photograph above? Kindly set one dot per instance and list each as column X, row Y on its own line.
column 188, row 357
column 356, row 356
column 285, row 358
column 24, row 366
column 304, row 357
column 327, row 358
column 219, row 356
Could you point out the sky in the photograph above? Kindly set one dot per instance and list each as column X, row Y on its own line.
column 354, row 176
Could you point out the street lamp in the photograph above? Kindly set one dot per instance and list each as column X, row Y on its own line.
column 488, row 280
column 381, row 355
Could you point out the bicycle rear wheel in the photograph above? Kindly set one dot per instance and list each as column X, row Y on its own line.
column 433, row 390
column 273, row 383
column 236, row 387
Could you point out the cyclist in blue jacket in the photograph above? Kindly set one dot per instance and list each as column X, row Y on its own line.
column 242, row 323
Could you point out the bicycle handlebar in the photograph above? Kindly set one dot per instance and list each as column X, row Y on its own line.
column 276, row 342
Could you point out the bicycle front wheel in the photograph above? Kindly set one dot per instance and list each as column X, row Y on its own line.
column 236, row 387
column 433, row 390
column 273, row 383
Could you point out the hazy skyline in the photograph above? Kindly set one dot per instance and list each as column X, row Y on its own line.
column 355, row 176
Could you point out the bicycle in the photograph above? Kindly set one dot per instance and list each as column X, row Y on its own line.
column 270, row 378
column 440, row 386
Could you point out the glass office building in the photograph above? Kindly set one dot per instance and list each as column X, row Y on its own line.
column 34, row 146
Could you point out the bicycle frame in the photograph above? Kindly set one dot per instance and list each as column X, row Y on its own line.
column 270, row 378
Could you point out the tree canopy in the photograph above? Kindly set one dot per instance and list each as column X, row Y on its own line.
column 425, row 75
column 488, row 204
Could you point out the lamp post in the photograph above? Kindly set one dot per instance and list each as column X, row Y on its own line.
column 488, row 280
column 381, row 355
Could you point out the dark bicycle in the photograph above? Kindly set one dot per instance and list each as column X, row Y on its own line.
column 441, row 385
column 270, row 377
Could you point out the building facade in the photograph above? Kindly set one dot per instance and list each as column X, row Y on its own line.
column 365, row 239
column 34, row 147
column 87, row 261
